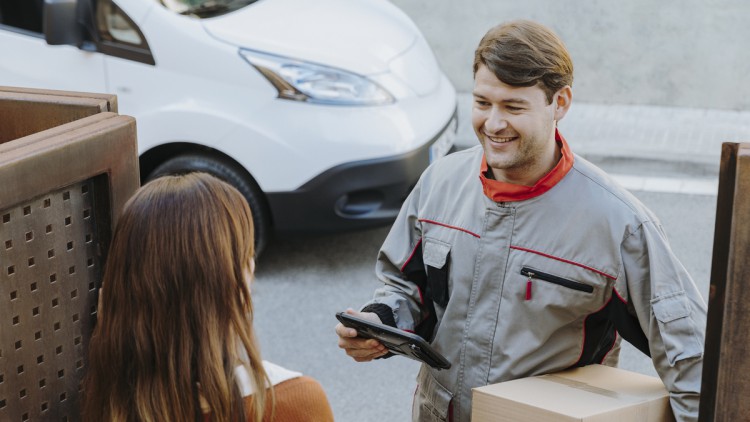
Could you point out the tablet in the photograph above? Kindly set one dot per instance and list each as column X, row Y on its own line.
column 397, row 341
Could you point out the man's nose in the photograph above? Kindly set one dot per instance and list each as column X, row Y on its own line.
column 496, row 121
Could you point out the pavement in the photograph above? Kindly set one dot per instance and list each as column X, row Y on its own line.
column 647, row 148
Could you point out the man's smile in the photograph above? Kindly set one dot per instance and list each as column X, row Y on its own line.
column 500, row 139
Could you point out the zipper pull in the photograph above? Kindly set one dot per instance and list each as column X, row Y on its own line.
column 528, row 286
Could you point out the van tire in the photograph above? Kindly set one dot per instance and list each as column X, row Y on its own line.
column 232, row 174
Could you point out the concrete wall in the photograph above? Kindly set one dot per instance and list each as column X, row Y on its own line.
column 683, row 53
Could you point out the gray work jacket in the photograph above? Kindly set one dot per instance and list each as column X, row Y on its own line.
column 507, row 290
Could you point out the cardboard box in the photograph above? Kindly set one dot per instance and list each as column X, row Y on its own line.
column 594, row 393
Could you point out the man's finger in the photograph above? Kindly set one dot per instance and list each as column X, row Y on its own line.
column 364, row 355
column 357, row 343
column 343, row 331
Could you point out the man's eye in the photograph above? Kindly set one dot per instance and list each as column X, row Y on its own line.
column 481, row 103
column 512, row 108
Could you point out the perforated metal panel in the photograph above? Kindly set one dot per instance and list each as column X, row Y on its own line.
column 50, row 269
column 63, row 183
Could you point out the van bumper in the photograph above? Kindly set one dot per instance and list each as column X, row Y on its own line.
column 351, row 196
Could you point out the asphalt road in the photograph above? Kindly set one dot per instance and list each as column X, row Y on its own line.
column 301, row 283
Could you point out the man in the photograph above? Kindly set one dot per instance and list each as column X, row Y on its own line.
column 520, row 258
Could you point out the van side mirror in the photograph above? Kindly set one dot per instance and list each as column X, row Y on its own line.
column 60, row 23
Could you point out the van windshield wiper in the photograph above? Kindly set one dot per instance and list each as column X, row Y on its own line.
column 206, row 8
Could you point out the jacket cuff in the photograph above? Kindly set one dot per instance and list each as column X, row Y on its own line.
column 384, row 312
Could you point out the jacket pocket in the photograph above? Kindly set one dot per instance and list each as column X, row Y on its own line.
column 432, row 401
column 677, row 329
column 436, row 258
column 533, row 274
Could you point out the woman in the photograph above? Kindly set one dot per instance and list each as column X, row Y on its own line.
column 174, row 338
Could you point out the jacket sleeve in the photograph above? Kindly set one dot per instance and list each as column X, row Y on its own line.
column 664, row 301
column 401, row 269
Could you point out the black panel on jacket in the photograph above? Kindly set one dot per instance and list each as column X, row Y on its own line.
column 627, row 325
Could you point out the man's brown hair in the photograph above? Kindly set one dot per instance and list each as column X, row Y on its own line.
column 524, row 53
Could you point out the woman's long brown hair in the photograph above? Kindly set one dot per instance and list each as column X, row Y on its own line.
column 176, row 309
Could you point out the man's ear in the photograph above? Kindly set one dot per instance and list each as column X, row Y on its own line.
column 562, row 100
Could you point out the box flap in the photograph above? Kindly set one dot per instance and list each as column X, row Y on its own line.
column 581, row 394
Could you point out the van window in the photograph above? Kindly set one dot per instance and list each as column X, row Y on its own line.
column 205, row 8
column 115, row 26
column 118, row 35
column 22, row 14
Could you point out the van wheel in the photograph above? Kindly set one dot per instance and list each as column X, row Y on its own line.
column 232, row 174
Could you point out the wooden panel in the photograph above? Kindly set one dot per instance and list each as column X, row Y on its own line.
column 727, row 353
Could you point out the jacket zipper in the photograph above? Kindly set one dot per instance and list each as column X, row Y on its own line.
column 534, row 274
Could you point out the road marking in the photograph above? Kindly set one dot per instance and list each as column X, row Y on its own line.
column 688, row 186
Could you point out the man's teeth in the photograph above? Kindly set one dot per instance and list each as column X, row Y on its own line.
column 501, row 140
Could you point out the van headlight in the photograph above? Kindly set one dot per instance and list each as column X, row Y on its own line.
column 303, row 81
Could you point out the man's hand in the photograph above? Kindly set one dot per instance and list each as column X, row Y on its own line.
column 360, row 349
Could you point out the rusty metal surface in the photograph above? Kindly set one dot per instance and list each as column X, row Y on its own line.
column 99, row 144
column 51, row 267
column 111, row 99
column 727, row 353
column 61, row 192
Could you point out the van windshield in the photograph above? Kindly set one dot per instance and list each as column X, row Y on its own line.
column 205, row 8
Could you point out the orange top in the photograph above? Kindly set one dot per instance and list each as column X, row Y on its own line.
column 507, row 192
column 300, row 399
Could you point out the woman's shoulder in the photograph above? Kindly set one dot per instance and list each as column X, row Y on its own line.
column 298, row 399
column 301, row 384
column 302, row 399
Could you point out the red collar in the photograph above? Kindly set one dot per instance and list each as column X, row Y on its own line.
column 508, row 192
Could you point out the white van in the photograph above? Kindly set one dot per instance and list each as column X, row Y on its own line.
column 322, row 112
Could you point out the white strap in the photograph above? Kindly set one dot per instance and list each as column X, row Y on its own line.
column 276, row 374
